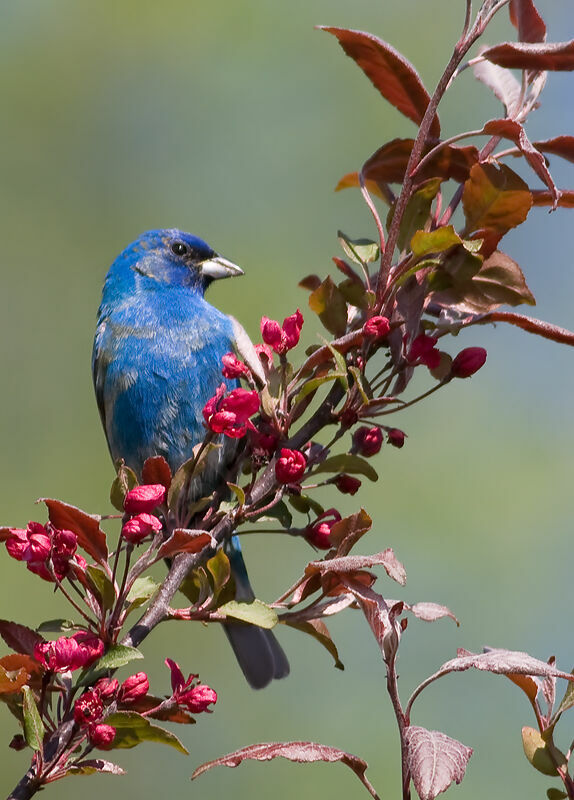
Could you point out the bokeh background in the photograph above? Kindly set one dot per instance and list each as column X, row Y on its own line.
column 234, row 119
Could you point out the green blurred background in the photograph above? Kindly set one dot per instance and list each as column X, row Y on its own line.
column 234, row 119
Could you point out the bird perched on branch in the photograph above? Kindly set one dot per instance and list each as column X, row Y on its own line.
column 156, row 362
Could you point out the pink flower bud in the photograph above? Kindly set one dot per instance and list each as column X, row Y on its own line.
column 319, row 533
column 423, row 351
column 290, row 466
column 467, row 362
column 133, row 688
column 144, row 498
column 107, row 688
column 69, row 653
column 396, row 437
column 285, row 337
column 378, row 327
column 233, row 367
column 230, row 414
column 46, row 550
column 346, row 484
column 198, row 699
column 367, row 441
column 101, row 736
column 89, row 708
column 136, row 529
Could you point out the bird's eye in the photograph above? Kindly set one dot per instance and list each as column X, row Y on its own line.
column 179, row 248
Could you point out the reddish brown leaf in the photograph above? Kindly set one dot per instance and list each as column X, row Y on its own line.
column 386, row 559
column 184, row 541
column 435, row 760
column 319, row 631
column 495, row 197
column 557, row 56
column 300, row 752
column 16, row 670
column 509, row 129
column 18, row 637
column 503, row 662
column 527, row 21
column 156, row 470
column 526, row 683
column 389, row 72
column 347, row 532
column 91, row 537
column 429, row 612
column 389, row 163
column 562, row 146
column 351, row 181
column 310, row 282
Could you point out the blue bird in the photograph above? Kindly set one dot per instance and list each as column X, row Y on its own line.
column 156, row 361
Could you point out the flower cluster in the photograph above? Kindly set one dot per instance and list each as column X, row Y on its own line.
column 233, row 367
column 423, row 351
column 282, row 337
column 47, row 551
column 376, row 327
column 229, row 413
column 195, row 697
column 319, row 533
column 290, row 466
column 69, row 652
column 367, row 441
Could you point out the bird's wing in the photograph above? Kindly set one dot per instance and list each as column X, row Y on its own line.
column 100, row 363
column 245, row 349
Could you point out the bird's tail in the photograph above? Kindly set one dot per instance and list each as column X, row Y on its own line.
column 256, row 649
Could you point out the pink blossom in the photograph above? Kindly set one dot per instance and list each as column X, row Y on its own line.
column 143, row 499
column 193, row 696
column 69, row 653
column 285, row 337
column 378, row 327
column 467, row 362
column 136, row 529
column 290, row 466
column 101, row 735
column 233, row 367
column 46, row 550
column 367, row 441
column 319, row 533
column 89, row 708
column 107, row 688
column 346, row 484
column 133, row 688
column 230, row 414
column 423, row 351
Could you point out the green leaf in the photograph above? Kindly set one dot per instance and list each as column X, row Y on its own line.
column 56, row 626
column 568, row 699
column 125, row 480
column 329, row 303
column 132, row 729
column 437, row 241
column 555, row 794
column 238, row 492
column 354, row 293
column 537, row 751
column 141, row 591
column 358, row 378
column 256, row 612
column 93, row 765
column 118, row 655
column 279, row 511
column 318, row 630
column 313, row 384
column 303, row 503
column 34, row 729
column 220, row 571
column 103, row 585
column 189, row 470
column 417, row 212
column 361, row 251
column 346, row 462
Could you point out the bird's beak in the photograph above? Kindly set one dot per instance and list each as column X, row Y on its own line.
column 219, row 267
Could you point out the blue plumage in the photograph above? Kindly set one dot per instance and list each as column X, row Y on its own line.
column 156, row 362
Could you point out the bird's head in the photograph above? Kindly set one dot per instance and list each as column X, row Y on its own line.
column 170, row 256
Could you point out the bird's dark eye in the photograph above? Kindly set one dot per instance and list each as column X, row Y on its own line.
column 179, row 248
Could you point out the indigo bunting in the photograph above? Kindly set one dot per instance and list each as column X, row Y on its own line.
column 156, row 362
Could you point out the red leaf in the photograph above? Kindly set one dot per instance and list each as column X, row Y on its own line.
column 527, row 21
column 18, row 637
column 184, row 541
column 300, row 752
column 389, row 72
column 562, row 146
column 495, row 197
column 435, row 760
column 429, row 612
column 557, row 56
column 501, row 82
column 156, row 470
column 91, row 537
column 514, row 131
